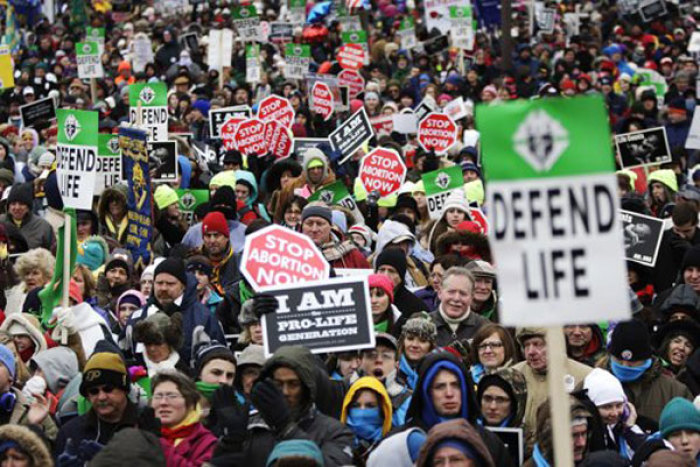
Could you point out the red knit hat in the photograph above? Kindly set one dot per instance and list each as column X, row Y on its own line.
column 215, row 222
column 74, row 291
column 383, row 282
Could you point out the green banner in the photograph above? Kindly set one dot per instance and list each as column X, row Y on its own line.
column 545, row 138
column 95, row 34
column 190, row 201
column 461, row 12
column 407, row 23
column 337, row 194
column 354, row 37
column 77, row 127
column 108, row 145
column 86, row 48
column 149, row 94
column 297, row 50
column 443, row 180
column 244, row 12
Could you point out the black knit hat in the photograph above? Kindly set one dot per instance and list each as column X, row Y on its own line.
column 21, row 193
column 173, row 266
column 691, row 258
column 224, row 201
column 394, row 257
column 209, row 352
column 631, row 341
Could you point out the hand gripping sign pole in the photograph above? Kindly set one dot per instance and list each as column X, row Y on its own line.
column 559, row 397
column 67, row 273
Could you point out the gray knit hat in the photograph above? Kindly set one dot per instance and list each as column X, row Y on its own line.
column 315, row 210
column 421, row 325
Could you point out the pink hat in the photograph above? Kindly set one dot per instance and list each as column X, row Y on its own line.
column 383, row 282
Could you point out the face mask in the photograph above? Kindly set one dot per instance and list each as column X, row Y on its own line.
column 365, row 423
column 629, row 373
column 207, row 389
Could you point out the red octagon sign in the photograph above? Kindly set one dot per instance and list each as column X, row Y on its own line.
column 279, row 139
column 322, row 100
column 250, row 137
column 437, row 131
column 228, row 132
column 277, row 256
column 382, row 170
column 353, row 80
column 276, row 108
column 351, row 56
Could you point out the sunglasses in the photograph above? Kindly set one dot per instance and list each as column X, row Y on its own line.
column 107, row 389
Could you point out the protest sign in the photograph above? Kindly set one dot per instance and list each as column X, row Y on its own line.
column 328, row 316
column 228, row 132
column 652, row 78
column 437, row 132
column 109, row 162
column 87, row 55
column 553, row 208
column 437, row 14
column 7, row 77
column 151, row 100
column 382, row 170
column 355, row 131
column 642, row 237
column 277, row 255
column 440, row 184
column 162, row 160
column 133, row 146
column 220, row 49
column 190, row 41
column 252, row 63
column 383, row 124
column 337, row 194
column 296, row 11
column 405, row 122
column 143, row 52
column 297, row 58
column 694, row 42
column 276, row 108
column 351, row 56
column 477, row 216
column 42, row 110
column 301, row 145
column 407, row 33
column 281, row 33
column 353, row 80
column 456, row 109
column 247, row 23
column 462, row 30
column 358, row 37
column 190, row 200
column 643, row 147
column 218, row 117
column 650, row 10
column 513, row 440
column 322, row 100
column 545, row 19
column 423, row 109
column 96, row 35
column 76, row 156
column 279, row 139
column 250, row 137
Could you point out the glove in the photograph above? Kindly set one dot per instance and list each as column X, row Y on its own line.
column 147, row 421
column 70, row 457
column 268, row 399
column 264, row 304
column 63, row 318
column 89, row 449
column 229, row 418
column 373, row 198
column 35, row 385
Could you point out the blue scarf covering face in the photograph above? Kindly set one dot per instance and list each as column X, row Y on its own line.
column 410, row 373
column 477, row 370
column 366, row 423
column 629, row 373
column 429, row 414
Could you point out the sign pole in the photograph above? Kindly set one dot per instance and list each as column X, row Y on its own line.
column 67, row 224
column 559, row 397
column 93, row 90
column 221, row 59
column 138, row 114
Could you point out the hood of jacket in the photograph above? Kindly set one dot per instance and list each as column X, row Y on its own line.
column 665, row 176
column 459, row 430
column 544, row 424
column 28, row 441
column 478, row 242
column 249, row 178
column 24, row 323
column 390, row 231
column 59, row 365
column 682, row 296
column 375, row 385
column 118, row 191
column 517, row 391
column 421, row 406
column 394, row 450
column 297, row 358
column 310, row 155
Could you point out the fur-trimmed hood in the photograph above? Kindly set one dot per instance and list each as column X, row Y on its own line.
column 23, row 323
column 118, row 191
column 29, row 441
column 160, row 328
column 479, row 243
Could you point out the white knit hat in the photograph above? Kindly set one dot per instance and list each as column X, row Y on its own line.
column 603, row 388
column 456, row 200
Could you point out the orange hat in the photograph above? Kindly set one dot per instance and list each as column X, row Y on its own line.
column 124, row 65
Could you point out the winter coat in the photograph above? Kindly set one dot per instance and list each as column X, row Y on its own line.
column 36, row 231
column 193, row 238
column 670, row 257
column 465, row 330
column 690, row 375
column 117, row 232
column 144, row 450
column 460, row 430
column 594, row 351
column 394, row 230
column 20, row 412
column 334, row 438
column 192, row 451
column 29, row 442
column 198, row 323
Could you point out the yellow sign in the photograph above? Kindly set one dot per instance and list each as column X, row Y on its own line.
column 7, row 78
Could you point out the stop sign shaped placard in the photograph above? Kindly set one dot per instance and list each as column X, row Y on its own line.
column 250, row 137
column 277, row 256
column 351, row 56
column 322, row 100
column 276, row 108
column 437, row 131
column 228, row 132
column 382, row 170
column 279, row 139
column 353, row 80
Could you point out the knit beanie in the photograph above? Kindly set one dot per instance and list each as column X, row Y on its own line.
column 631, row 341
column 315, row 210
column 494, row 380
column 679, row 414
column 173, row 266
column 120, row 258
column 603, row 388
column 8, row 360
column 133, row 297
column 394, row 257
column 363, row 230
column 224, row 201
column 422, row 326
column 164, row 196
column 104, row 368
column 382, row 282
column 691, row 258
column 215, row 222
column 296, row 448
column 209, row 352
column 21, row 193
column 224, row 178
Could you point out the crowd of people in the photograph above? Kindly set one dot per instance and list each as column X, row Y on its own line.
column 164, row 363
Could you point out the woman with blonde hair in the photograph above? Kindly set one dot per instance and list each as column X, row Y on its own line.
column 34, row 269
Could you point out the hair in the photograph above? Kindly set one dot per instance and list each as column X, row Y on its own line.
column 447, row 261
column 36, row 258
column 485, row 331
column 458, row 271
column 184, row 384
column 89, row 282
column 684, row 213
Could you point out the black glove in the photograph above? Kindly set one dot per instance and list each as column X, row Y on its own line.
column 264, row 304
column 373, row 198
column 229, row 418
column 269, row 401
column 147, row 421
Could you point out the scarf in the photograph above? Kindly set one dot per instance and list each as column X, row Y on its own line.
column 27, row 353
column 215, row 274
column 167, row 364
column 382, row 326
column 334, row 251
column 121, row 229
column 182, row 430
column 629, row 373
column 539, row 459
column 453, row 323
column 365, row 423
column 244, row 292
column 207, row 389
column 477, row 370
column 409, row 372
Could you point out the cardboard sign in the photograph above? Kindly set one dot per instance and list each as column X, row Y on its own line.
column 252, row 63
column 217, row 117
column 297, row 58
column 322, row 100
column 42, row 110
column 190, row 200
column 351, row 134
column 513, row 440
column 143, row 52
column 276, row 256
column 87, row 55
column 250, row 137
column 382, row 170
column 153, row 100
column 228, row 132
column 643, row 148
column 220, row 49
column 437, row 132
column 353, row 80
column 7, row 77
column 247, row 23
column 642, row 237
column 279, row 139
column 276, row 108
column 327, row 316
column 301, row 145
column 162, row 161
column 553, row 208
column 439, row 185
column 76, row 156
column 109, row 162
column 351, row 56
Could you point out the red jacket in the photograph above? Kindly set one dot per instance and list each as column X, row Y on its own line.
column 192, row 451
column 353, row 259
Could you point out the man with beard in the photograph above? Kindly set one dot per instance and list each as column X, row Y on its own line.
column 584, row 343
column 217, row 248
column 175, row 291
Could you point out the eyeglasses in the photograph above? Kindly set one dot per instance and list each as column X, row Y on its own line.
column 490, row 345
column 107, row 389
column 168, row 397
column 487, row 400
